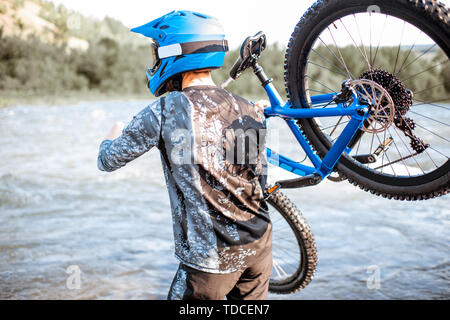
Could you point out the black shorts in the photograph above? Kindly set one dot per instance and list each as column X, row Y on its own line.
column 249, row 284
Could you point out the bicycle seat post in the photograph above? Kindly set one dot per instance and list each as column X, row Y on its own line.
column 259, row 72
column 266, row 82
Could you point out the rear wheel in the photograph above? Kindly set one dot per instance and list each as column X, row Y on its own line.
column 402, row 47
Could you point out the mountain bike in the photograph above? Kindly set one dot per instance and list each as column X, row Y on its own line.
column 367, row 82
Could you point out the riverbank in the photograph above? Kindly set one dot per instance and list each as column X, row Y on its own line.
column 12, row 99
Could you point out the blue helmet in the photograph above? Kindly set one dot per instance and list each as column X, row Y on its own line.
column 182, row 41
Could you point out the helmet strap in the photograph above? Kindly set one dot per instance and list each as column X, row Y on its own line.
column 174, row 84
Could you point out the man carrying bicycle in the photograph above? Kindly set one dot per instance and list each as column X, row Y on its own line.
column 222, row 230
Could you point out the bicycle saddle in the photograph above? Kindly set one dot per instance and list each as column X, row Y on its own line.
column 250, row 51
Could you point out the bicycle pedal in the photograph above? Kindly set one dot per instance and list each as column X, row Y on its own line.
column 372, row 158
column 365, row 158
column 384, row 146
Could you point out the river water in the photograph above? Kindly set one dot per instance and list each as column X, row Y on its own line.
column 60, row 217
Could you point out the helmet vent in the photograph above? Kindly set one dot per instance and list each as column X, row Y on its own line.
column 178, row 58
column 163, row 27
column 199, row 15
column 163, row 69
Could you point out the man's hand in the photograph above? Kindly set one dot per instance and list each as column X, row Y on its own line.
column 116, row 131
column 262, row 104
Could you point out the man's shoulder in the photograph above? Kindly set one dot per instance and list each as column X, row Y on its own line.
column 174, row 99
column 239, row 99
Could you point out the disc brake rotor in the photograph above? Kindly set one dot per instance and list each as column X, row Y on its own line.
column 382, row 106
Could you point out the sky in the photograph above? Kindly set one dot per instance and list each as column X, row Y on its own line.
column 239, row 18
column 277, row 18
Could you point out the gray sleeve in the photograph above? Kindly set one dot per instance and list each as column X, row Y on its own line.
column 141, row 134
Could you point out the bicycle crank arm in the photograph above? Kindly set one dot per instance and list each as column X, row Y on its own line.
column 362, row 158
column 306, row 181
column 368, row 158
column 372, row 158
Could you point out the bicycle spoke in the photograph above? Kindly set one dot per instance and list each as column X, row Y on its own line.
column 323, row 105
column 277, row 268
column 370, row 32
column 318, row 91
column 400, row 155
column 356, row 45
column 424, row 53
column 378, row 138
column 432, row 87
column 431, row 103
column 399, row 47
column 362, row 43
column 284, row 228
column 359, row 144
column 332, row 131
column 285, row 238
column 407, row 124
column 287, row 252
column 341, row 124
column 379, row 41
column 340, row 54
column 407, row 148
column 320, row 66
column 274, row 221
column 396, row 161
column 437, row 135
column 317, row 81
column 371, row 143
column 325, row 59
column 402, row 158
column 409, row 52
column 384, row 153
column 414, row 112
column 343, row 65
column 439, row 152
column 431, row 68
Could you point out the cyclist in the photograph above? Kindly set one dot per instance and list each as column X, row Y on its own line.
column 222, row 230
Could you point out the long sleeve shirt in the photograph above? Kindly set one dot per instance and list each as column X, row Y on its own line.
column 212, row 147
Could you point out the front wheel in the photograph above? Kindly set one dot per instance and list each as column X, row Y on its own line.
column 293, row 247
column 396, row 54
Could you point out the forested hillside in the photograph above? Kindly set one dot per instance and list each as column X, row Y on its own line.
column 50, row 50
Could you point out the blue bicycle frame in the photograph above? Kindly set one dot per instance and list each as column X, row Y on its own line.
column 322, row 167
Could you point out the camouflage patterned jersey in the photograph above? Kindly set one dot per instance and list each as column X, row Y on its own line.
column 207, row 138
